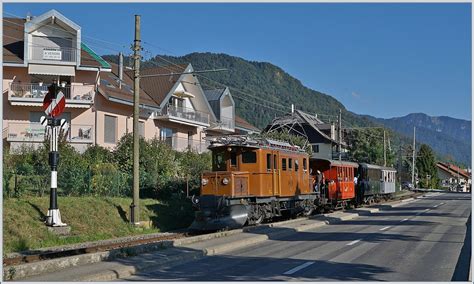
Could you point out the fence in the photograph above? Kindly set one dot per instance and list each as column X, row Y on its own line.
column 36, row 91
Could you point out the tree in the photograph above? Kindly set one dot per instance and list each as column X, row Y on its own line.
column 426, row 165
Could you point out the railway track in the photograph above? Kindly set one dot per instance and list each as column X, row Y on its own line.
column 34, row 256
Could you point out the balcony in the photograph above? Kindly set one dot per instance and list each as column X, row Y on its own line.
column 52, row 54
column 33, row 94
column 35, row 132
column 184, row 115
column 183, row 144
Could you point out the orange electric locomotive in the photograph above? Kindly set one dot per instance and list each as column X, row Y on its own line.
column 253, row 180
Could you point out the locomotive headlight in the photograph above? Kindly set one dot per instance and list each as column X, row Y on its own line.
column 204, row 181
column 225, row 181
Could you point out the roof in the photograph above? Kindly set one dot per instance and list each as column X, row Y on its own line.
column 453, row 169
column 214, row 94
column 13, row 45
column 242, row 123
column 372, row 166
column 336, row 162
column 159, row 87
column 302, row 118
column 109, row 87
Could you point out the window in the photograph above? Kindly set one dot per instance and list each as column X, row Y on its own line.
column 218, row 161
column 110, row 129
column 290, row 163
column 249, row 157
column 305, row 166
column 296, row 165
column 315, row 148
column 233, row 159
column 141, row 129
column 283, row 164
column 269, row 162
column 275, row 162
column 166, row 135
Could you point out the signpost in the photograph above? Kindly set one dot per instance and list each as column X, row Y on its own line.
column 53, row 105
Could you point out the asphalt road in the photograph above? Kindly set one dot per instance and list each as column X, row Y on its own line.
column 424, row 240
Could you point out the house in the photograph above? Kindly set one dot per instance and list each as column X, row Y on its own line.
column 321, row 136
column 99, row 94
column 37, row 51
column 453, row 178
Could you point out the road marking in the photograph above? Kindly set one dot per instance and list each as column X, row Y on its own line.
column 406, row 219
column 384, row 228
column 436, row 206
column 304, row 265
column 353, row 242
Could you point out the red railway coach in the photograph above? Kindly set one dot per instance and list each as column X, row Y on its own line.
column 338, row 176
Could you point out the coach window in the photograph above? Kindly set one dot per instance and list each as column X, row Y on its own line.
column 304, row 164
column 296, row 165
column 249, row 157
column 290, row 164
column 283, row 164
column 269, row 162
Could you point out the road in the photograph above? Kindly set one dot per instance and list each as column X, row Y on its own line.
column 424, row 240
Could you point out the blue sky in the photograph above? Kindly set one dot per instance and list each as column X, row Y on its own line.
column 384, row 60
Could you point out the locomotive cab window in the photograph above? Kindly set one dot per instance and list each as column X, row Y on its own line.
column 269, row 162
column 219, row 161
column 233, row 159
column 283, row 164
column 305, row 166
column 296, row 165
column 249, row 157
column 290, row 164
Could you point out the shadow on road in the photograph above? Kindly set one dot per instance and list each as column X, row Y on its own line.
column 461, row 272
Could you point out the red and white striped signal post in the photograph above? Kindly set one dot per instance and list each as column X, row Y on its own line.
column 53, row 105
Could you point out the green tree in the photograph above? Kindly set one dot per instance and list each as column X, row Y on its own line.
column 426, row 165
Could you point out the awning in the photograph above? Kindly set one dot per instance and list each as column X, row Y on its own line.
column 51, row 70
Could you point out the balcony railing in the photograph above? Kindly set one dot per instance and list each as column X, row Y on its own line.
column 35, row 132
column 65, row 54
column 226, row 122
column 182, row 144
column 186, row 113
column 36, row 92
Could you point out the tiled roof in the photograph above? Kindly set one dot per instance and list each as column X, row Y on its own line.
column 158, row 87
column 109, row 87
column 242, row 123
column 453, row 169
column 214, row 94
column 13, row 45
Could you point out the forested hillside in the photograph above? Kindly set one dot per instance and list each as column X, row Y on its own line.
column 263, row 91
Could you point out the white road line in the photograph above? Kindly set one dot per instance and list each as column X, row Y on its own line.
column 406, row 219
column 384, row 228
column 436, row 206
column 353, row 242
column 304, row 265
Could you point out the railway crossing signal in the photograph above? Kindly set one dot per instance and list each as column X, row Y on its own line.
column 53, row 105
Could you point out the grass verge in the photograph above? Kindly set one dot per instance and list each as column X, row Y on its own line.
column 90, row 218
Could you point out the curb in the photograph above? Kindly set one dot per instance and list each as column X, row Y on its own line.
column 41, row 267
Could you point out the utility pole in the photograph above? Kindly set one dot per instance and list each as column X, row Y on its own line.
column 135, row 211
column 384, row 151
column 413, row 159
column 340, row 134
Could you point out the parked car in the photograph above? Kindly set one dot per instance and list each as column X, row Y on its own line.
column 407, row 185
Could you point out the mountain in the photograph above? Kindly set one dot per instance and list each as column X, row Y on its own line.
column 446, row 135
column 263, row 91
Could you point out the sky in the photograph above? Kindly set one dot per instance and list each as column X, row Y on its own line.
column 385, row 60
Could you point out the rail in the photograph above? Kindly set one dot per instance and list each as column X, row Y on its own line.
column 186, row 113
column 35, row 132
column 37, row 92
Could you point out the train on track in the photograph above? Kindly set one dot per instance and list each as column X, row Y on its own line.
column 256, row 180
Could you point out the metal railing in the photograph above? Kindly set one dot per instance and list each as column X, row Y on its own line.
column 186, row 113
column 182, row 144
column 226, row 122
column 35, row 132
column 66, row 54
column 35, row 91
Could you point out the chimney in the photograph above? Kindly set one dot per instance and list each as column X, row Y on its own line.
column 28, row 17
column 120, row 69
